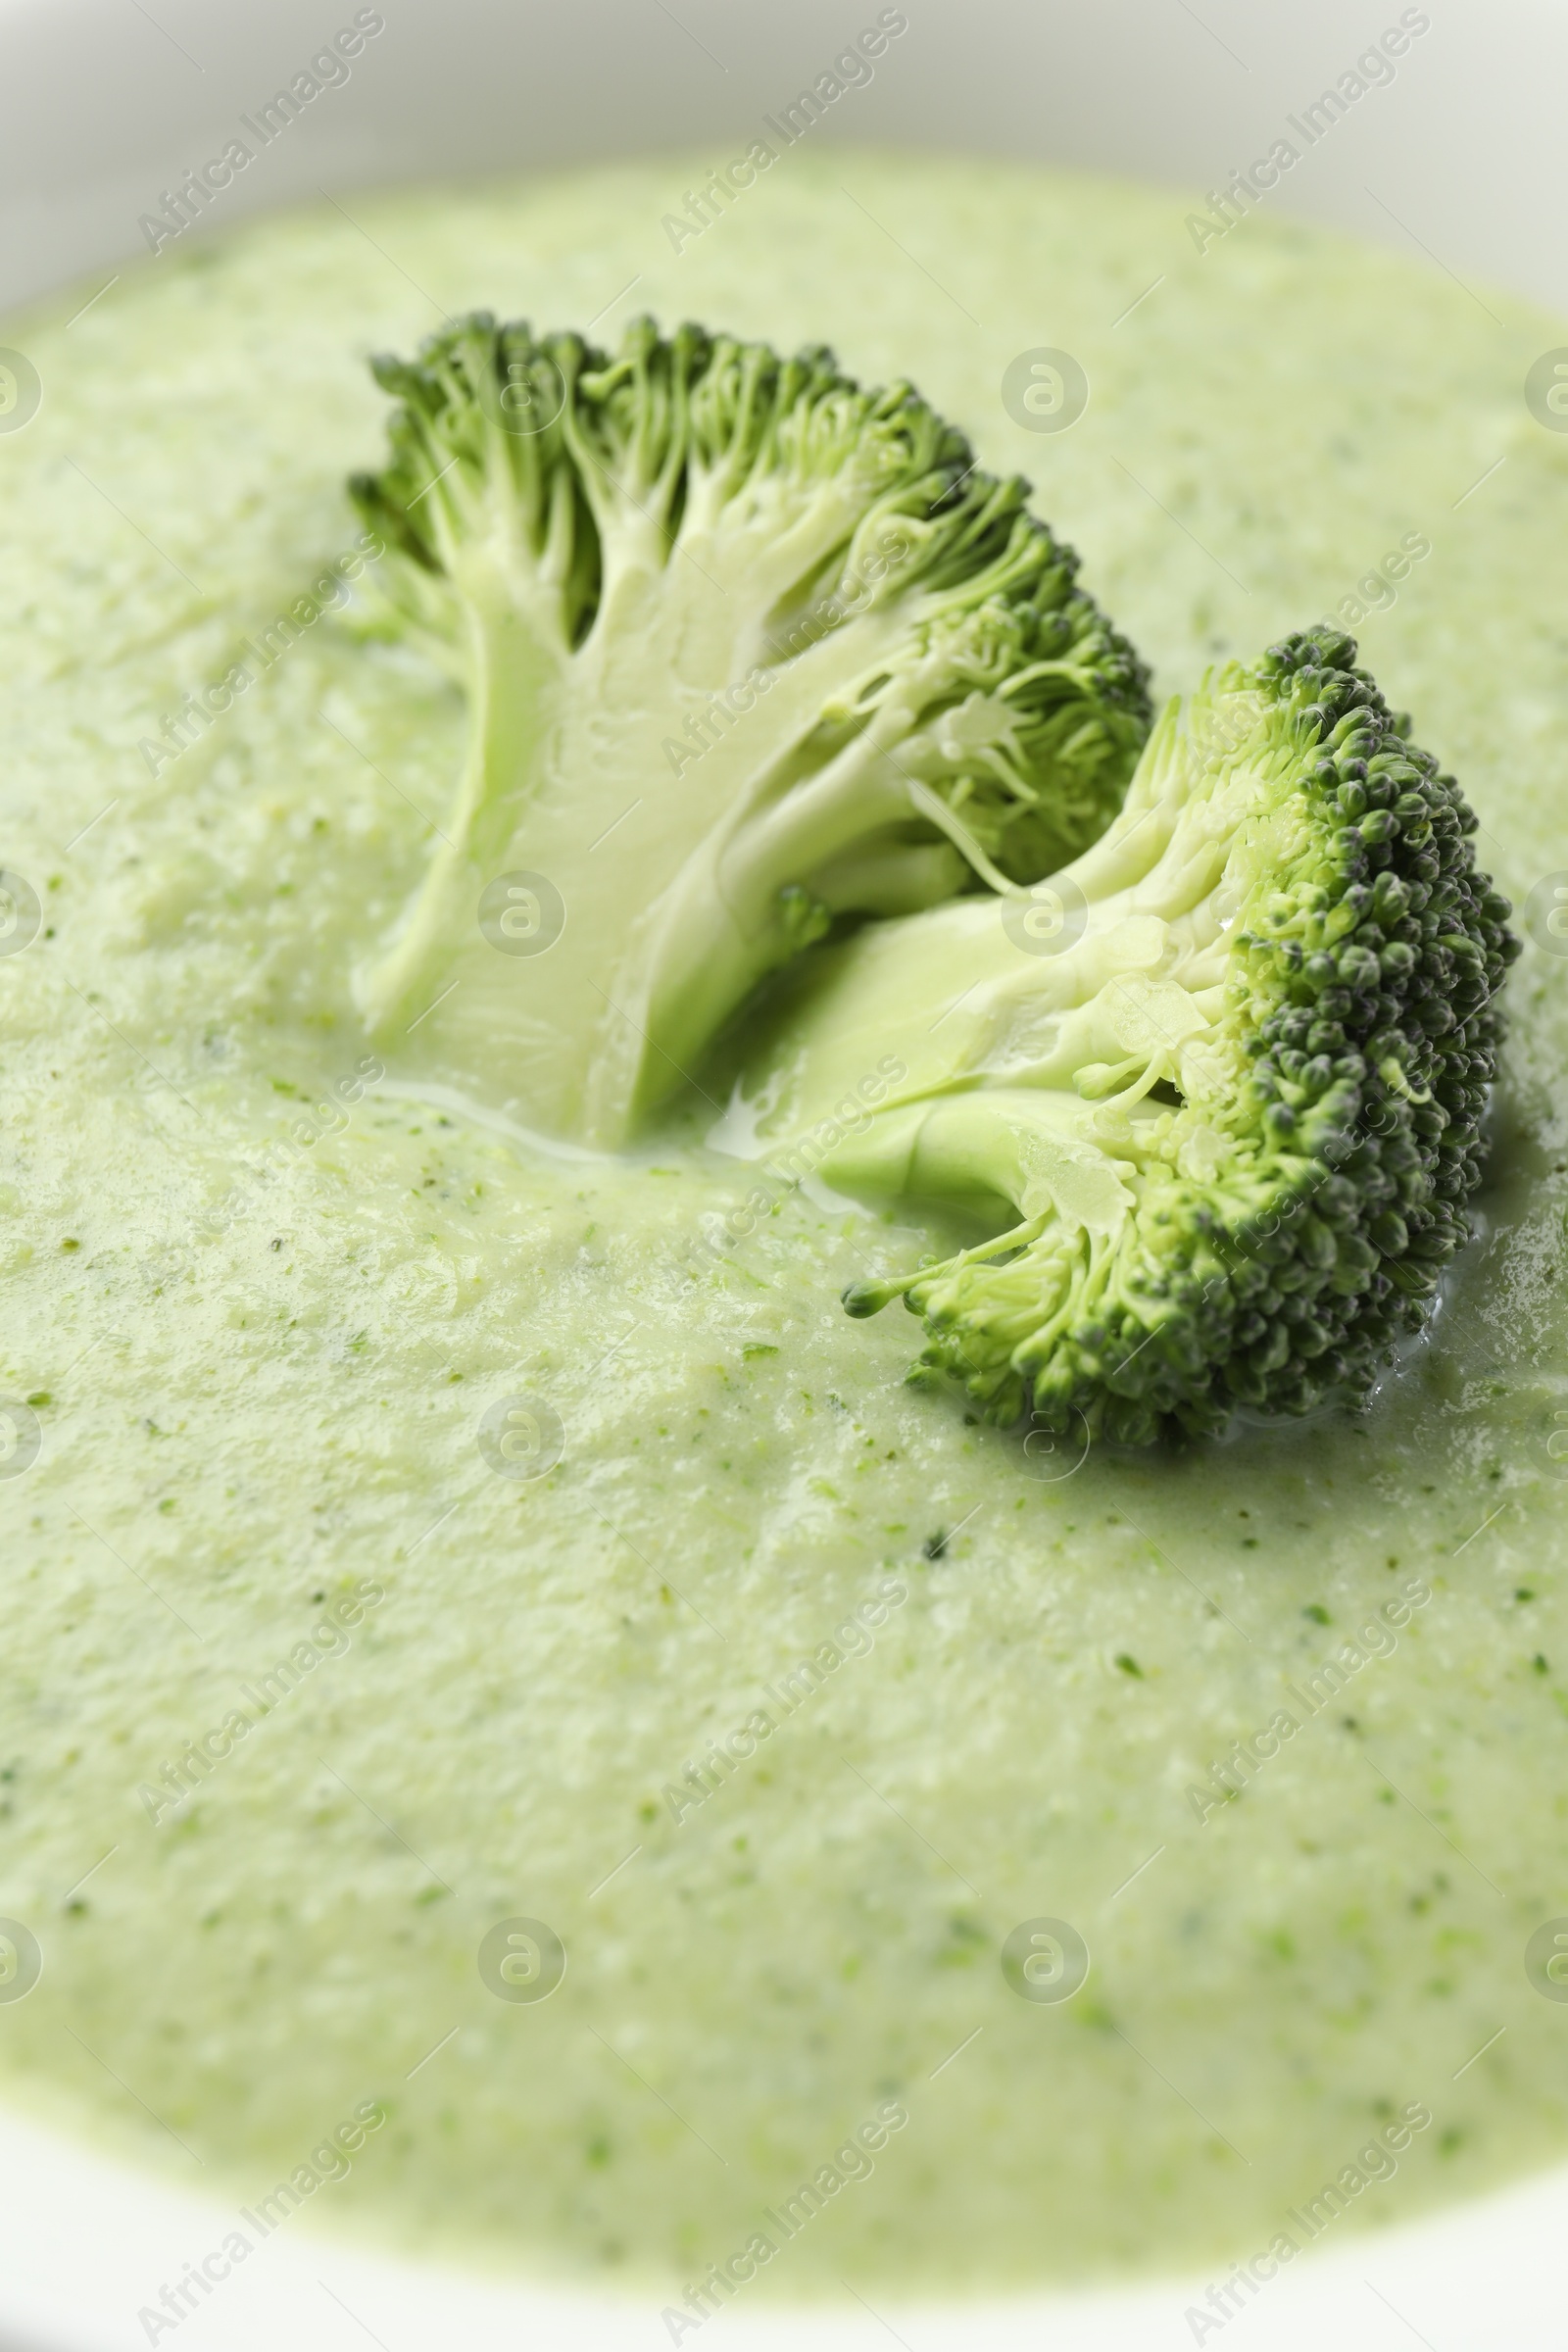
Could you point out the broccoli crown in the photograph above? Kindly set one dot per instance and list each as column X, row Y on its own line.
column 746, row 648
column 1237, row 1117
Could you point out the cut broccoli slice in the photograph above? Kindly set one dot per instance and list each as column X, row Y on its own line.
column 745, row 648
column 1225, row 1075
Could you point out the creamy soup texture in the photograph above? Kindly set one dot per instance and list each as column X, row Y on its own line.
column 325, row 1699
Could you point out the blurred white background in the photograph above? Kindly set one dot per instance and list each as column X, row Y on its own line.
column 105, row 102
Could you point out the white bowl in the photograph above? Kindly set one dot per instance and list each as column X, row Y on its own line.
column 108, row 102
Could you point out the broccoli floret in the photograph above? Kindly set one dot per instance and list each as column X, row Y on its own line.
column 745, row 648
column 1224, row 1076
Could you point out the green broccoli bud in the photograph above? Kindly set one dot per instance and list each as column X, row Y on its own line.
column 747, row 649
column 1222, row 1079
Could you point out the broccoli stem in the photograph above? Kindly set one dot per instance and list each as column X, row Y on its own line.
column 515, row 675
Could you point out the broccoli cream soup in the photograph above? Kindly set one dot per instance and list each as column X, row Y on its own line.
column 521, row 1731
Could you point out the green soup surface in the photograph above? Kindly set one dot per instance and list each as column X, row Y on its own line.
column 306, row 1699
